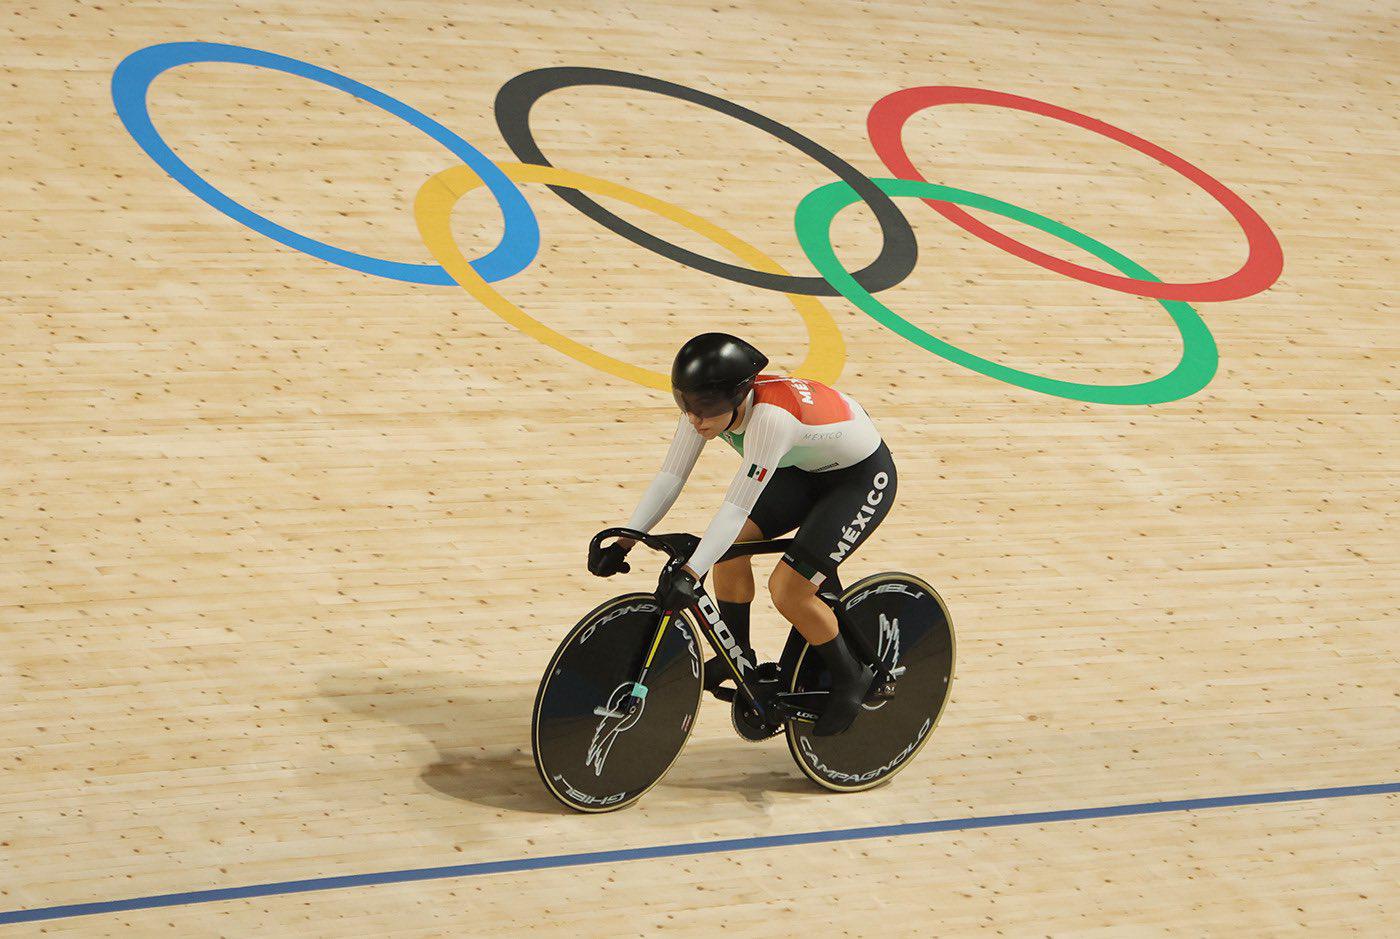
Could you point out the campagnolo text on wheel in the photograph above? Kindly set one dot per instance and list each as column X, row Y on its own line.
column 865, row 671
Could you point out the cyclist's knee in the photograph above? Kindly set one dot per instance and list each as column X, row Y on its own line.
column 734, row 567
column 733, row 582
column 789, row 590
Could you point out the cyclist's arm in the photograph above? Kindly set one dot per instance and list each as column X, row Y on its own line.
column 675, row 470
column 771, row 434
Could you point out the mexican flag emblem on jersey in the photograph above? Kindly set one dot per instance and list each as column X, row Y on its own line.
column 756, row 472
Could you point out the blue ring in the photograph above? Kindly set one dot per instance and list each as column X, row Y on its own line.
column 519, row 244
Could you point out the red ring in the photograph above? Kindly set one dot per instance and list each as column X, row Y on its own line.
column 1260, row 269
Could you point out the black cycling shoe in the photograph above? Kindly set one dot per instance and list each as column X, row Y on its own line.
column 843, row 704
column 717, row 672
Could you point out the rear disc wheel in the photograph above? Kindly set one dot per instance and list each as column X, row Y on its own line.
column 904, row 622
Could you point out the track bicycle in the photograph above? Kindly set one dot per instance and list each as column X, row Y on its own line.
column 619, row 698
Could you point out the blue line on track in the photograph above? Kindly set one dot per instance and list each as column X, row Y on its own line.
column 681, row 850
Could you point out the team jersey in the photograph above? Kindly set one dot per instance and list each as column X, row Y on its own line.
column 784, row 422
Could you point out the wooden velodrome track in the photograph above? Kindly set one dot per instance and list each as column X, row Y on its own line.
column 287, row 545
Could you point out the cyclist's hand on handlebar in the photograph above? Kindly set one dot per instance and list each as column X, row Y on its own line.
column 681, row 591
column 605, row 562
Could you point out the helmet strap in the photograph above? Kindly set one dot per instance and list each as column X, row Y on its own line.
column 734, row 415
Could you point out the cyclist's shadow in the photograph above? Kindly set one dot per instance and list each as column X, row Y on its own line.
column 481, row 734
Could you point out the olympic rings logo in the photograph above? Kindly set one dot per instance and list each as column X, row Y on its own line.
column 814, row 215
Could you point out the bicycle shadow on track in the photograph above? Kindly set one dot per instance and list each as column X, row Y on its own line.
column 481, row 733
column 722, row 764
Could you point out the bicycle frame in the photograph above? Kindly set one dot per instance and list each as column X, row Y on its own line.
column 678, row 547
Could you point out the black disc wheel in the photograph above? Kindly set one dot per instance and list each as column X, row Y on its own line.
column 600, row 743
column 903, row 621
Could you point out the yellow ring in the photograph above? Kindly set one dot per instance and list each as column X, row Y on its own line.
column 432, row 209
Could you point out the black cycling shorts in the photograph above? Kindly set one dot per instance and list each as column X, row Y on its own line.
column 836, row 511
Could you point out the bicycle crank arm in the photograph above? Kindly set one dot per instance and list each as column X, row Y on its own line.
column 801, row 705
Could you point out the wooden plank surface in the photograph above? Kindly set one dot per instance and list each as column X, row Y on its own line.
column 287, row 546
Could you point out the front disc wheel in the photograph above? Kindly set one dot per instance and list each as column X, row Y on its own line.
column 600, row 742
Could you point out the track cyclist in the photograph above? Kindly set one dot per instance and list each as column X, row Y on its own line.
column 811, row 459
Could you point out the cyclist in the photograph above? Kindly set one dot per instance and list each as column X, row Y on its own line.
column 811, row 460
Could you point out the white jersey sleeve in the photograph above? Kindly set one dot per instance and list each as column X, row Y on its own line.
column 675, row 470
column 771, row 433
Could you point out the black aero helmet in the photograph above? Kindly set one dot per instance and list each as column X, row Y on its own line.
column 713, row 372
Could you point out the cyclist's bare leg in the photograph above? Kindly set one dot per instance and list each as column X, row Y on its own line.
column 733, row 579
column 734, row 591
column 796, row 599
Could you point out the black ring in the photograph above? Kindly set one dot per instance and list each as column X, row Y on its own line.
column 897, row 256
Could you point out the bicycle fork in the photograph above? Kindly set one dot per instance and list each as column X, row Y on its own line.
column 638, row 692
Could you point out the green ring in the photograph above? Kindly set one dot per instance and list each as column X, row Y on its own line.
column 1199, row 356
